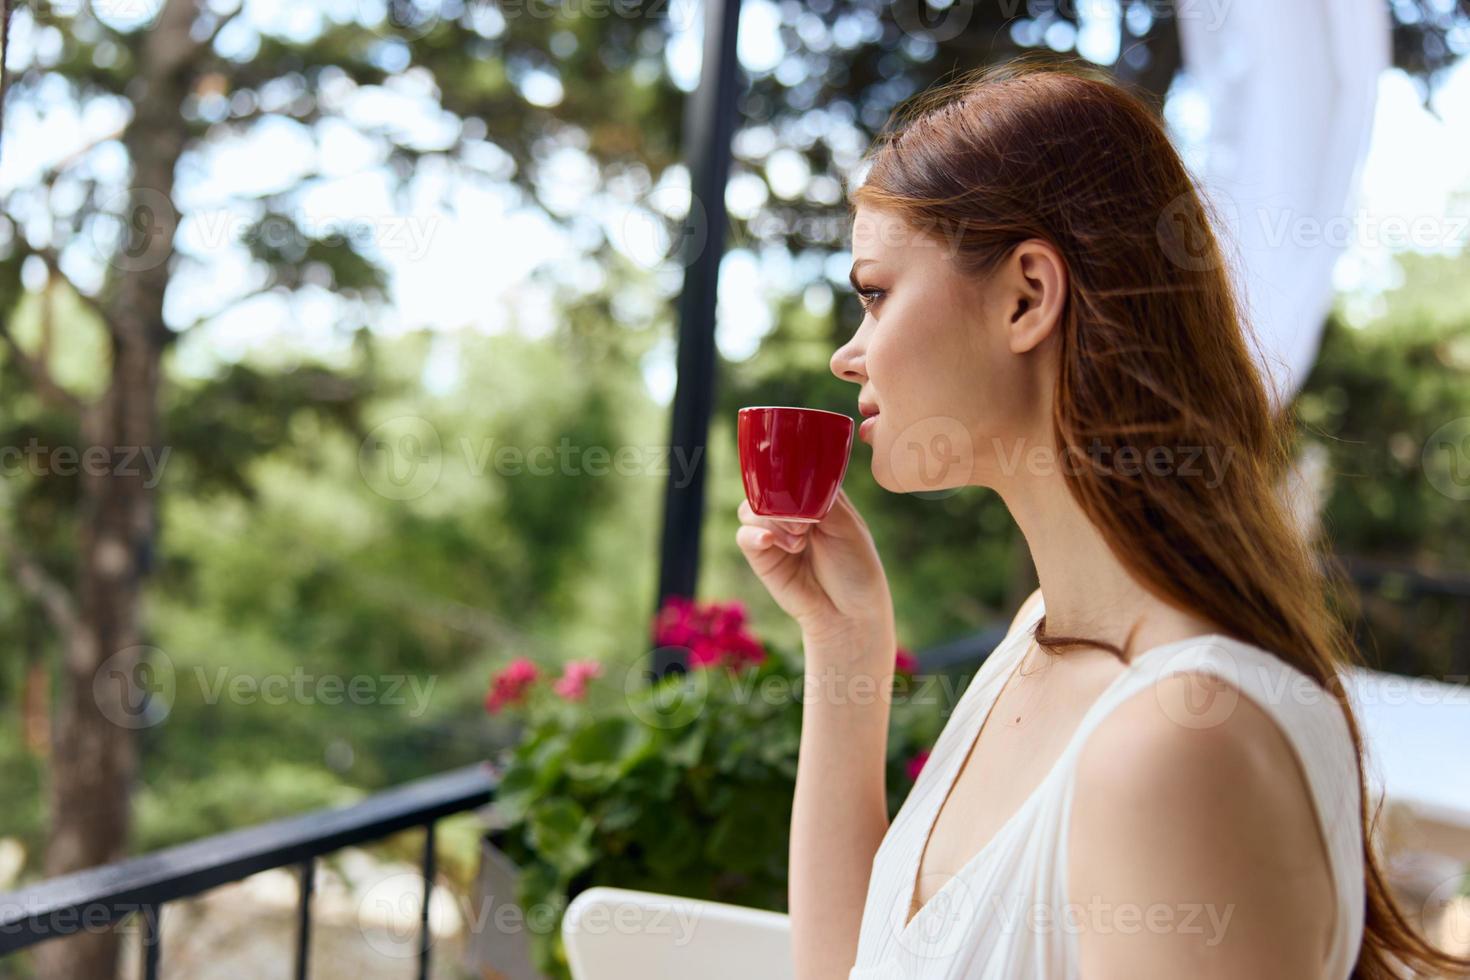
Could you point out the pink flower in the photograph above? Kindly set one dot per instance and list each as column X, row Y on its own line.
column 676, row 624
column 916, row 764
column 905, row 662
column 726, row 618
column 572, row 684
column 704, row 652
column 714, row 633
column 510, row 685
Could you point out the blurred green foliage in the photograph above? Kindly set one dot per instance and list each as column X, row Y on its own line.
column 683, row 787
column 1391, row 385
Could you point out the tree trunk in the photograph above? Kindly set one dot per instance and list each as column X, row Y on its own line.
column 35, row 711
column 104, row 686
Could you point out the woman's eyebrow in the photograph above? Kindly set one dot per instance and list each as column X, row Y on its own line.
column 852, row 273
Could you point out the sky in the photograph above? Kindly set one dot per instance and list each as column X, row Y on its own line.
column 461, row 252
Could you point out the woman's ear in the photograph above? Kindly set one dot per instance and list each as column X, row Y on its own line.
column 1036, row 289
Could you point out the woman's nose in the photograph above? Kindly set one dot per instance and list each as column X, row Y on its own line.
column 847, row 364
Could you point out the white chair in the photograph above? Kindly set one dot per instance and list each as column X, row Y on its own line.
column 617, row 934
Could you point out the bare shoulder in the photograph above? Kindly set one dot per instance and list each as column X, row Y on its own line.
column 1190, row 804
column 1027, row 605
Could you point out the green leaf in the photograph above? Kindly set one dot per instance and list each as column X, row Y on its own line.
column 751, row 830
column 517, row 791
column 618, row 813
column 604, row 750
column 687, row 751
column 673, row 844
column 561, row 832
column 653, row 778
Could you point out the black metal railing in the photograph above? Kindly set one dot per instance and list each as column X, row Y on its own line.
column 99, row 897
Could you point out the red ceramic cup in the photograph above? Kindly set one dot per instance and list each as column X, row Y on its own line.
column 793, row 460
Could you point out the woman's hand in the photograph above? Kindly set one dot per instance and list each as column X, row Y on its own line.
column 826, row 576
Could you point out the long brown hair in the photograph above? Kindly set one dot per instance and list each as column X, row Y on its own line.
column 1154, row 353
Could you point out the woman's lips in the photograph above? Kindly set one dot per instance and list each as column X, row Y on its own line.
column 865, row 431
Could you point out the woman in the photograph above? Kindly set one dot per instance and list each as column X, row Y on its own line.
column 1155, row 774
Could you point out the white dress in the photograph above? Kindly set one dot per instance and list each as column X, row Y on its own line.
column 1006, row 913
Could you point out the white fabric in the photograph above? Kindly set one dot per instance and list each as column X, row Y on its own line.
column 619, row 934
column 1290, row 86
column 1005, row 913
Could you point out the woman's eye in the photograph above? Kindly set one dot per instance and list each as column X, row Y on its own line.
column 869, row 297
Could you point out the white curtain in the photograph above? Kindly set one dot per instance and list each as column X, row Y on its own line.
column 1291, row 86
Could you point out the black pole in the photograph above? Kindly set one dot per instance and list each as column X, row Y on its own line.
column 307, row 872
column 152, row 938
column 426, row 939
column 709, row 124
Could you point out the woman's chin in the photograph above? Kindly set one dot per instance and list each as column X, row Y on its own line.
column 882, row 475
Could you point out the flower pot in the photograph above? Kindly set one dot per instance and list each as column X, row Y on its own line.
column 499, row 942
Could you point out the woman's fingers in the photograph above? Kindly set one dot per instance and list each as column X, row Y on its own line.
column 788, row 535
column 762, row 548
column 783, row 539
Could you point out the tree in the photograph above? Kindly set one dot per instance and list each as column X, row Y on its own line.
column 92, row 595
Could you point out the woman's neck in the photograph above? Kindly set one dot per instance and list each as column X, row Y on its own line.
column 1087, row 590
